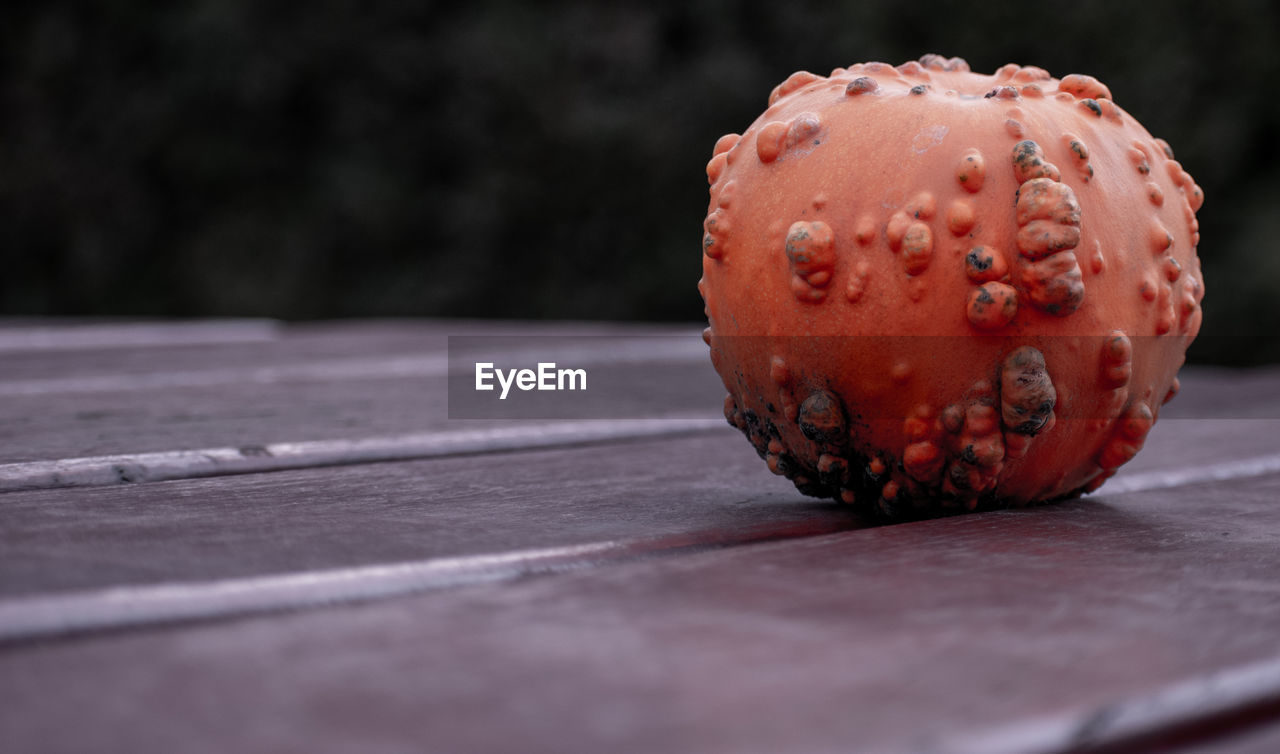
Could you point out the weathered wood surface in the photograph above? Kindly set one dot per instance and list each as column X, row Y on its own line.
column 646, row 593
column 337, row 517
column 933, row 636
column 198, row 529
column 343, row 382
column 313, row 383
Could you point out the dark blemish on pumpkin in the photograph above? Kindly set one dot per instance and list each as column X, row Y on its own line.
column 1094, row 106
column 918, row 89
column 984, row 296
column 1029, row 162
column 990, row 94
column 861, row 85
column 822, row 418
column 1027, row 394
column 1025, row 151
column 953, row 418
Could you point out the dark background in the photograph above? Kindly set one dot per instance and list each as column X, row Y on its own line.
column 502, row 159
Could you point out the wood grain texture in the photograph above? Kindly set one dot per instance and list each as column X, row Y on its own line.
column 143, row 468
column 288, row 344
column 711, row 485
column 323, row 518
column 919, row 637
column 46, row 335
column 744, row 617
column 337, row 383
column 349, row 380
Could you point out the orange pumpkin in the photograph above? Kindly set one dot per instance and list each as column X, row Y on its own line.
column 930, row 288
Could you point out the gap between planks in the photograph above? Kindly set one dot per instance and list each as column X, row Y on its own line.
column 1168, row 718
column 96, row 471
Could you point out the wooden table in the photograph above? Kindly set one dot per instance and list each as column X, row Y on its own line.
column 244, row 536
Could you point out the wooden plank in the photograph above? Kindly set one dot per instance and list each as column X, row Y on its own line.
column 708, row 487
column 472, row 520
column 343, row 381
column 928, row 636
column 300, row 343
column 243, row 415
column 1210, row 392
column 46, row 335
column 1222, row 703
column 139, row 468
column 256, row 416
column 78, row 425
column 336, row 517
column 139, row 606
column 469, row 505
column 353, row 385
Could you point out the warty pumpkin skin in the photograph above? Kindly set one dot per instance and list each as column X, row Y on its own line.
column 929, row 288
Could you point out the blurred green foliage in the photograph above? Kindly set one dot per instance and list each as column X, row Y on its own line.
column 504, row 159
